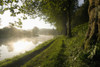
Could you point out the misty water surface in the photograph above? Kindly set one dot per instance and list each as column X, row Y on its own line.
column 12, row 47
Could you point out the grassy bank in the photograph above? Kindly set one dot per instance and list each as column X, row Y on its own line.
column 74, row 47
column 49, row 57
column 9, row 61
column 64, row 52
column 61, row 53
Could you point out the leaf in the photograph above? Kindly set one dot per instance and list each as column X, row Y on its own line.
column 93, row 52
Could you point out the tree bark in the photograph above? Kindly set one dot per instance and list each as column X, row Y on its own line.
column 93, row 34
column 66, row 29
column 69, row 26
column 69, row 20
column 85, row 0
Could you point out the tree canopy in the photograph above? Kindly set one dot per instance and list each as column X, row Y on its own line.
column 56, row 12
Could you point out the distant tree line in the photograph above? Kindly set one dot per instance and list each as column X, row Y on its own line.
column 9, row 32
column 49, row 32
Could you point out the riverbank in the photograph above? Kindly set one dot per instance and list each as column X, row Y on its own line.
column 64, row 52
column 59, row 52
column 13, row 47
column 22, row 58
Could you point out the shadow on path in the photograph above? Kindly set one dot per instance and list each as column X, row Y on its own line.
column 61, row 56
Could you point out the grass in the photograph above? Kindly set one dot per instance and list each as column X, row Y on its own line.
column 74, row 47
column 66, row 52
column 6, row 62
column 49, row 57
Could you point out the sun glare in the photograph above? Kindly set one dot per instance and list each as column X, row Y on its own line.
column 21, row 46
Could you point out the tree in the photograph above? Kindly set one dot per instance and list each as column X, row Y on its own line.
column 35, row 31
column 81, row 15
column 49, row 11
column 85, row 0
column 70, row 10
column 56, row 12
column 64, row 11
column 93, row 34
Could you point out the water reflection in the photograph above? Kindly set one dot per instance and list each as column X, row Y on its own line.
column 21, row 45
column 10, row 48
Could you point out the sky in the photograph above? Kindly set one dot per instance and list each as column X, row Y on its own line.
column 28, row 24
column 81, row 2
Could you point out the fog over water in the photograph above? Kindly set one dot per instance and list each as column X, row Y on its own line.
column 12, row 47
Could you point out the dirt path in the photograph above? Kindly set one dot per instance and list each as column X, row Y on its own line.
column 61, row 56
column 28, row 57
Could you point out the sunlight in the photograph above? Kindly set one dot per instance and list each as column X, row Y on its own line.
column 21, row 46
column 27, row 24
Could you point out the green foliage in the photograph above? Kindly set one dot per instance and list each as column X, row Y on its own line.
column 74, row 47
column 54, row 12
column 81, row 15
column 12, row 32
column 91, row 56
column 9, row 5
column 76, row 56
column 65, row 52
column 49, row 57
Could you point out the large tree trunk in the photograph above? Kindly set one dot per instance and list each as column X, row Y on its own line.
column 85, row 0
column 69, row 26
column 93, row 34
column 69, row 20
column 65, row 24
column 65, row 28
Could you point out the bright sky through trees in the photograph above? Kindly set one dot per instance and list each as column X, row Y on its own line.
column 28, row 23
column 81, row 2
